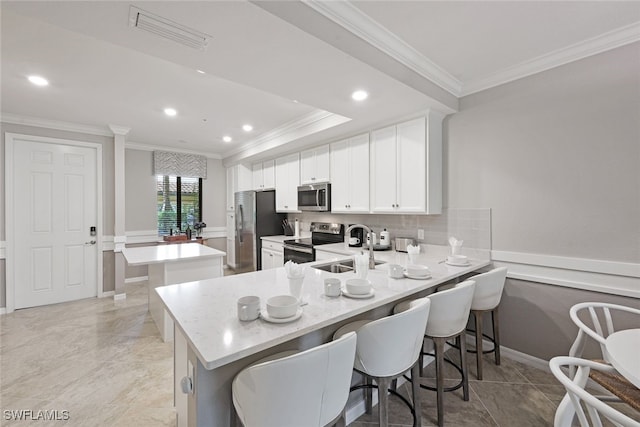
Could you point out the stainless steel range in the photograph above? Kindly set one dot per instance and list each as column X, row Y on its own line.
column 322, row 233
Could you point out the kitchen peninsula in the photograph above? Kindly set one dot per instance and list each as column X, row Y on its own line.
column 212, row 345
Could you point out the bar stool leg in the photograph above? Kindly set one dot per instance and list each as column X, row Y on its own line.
column 463, row 362
column 415, row 391
column 439, row 347
column 368, row 396
column 495, row 320
column 478, row 317
column 383, row 401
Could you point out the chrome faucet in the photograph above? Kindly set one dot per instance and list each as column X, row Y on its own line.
column 372, row 261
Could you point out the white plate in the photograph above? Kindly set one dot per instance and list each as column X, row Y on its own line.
column 455, row 264
column 358, row 296
column 265, row 316
column 425, row 277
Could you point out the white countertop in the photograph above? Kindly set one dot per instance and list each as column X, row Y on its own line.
column 205, row 311
column 281, row 238
column 144, row 255
column 427, row 253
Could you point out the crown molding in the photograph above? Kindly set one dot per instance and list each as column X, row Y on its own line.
column 119, row 130
column 575, row 52
column 54, row 124
column 315, row 121
column 362, row 25
column 149, row 147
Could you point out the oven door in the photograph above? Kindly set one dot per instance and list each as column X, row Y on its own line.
column 298, row 254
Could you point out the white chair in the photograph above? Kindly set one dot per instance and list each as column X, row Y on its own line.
column 309, row 388
column 386, row 349
column 620, row 387
column 486, row 298
column 577, row 395
column 447, row 319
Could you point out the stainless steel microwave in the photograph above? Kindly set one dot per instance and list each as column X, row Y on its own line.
column 314, row 197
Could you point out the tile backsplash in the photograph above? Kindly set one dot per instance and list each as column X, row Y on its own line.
column 471, row 225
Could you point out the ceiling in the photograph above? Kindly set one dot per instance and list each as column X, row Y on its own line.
column 286, row 67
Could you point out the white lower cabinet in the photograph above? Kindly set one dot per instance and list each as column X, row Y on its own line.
column 272, row 254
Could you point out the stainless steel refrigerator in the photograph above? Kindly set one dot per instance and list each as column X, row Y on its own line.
column 255, row 217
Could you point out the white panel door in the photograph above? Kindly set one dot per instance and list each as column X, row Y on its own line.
column 322, row 172
column 383, row 170
column 55, row 204
column 269, row 174
column 411, row 178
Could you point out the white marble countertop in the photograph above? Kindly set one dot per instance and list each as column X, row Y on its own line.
column 144, row 255
column 281, row 238
column 205, row 311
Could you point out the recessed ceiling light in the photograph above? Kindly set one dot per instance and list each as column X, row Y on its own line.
column 200, row 71
column 295, row 100
column 247, row 128
column 359, row 95
column 226, row 138
column 38, row 81
column 170, row 112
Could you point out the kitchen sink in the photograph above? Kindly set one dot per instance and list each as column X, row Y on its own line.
column 341, row 266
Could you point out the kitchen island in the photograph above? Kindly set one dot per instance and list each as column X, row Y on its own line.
column 212, row 345
column 170, row 264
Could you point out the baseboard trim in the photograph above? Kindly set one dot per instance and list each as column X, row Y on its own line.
column 136, row 279
column 119, row 297
column 3, row 310
column 106, row 294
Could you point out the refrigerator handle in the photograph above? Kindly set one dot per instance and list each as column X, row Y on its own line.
column 240, row 229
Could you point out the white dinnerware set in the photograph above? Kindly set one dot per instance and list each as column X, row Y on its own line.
column 357, row 288
column 456, row 258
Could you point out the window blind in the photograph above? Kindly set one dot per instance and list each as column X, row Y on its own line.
column 179, row 164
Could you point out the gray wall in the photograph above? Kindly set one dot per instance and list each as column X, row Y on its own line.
column 556, row 157
column 140, row 210
column 108, row 214
column 140, row 191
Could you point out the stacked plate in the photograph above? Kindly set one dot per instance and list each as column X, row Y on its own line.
column 418, row 272
column 458, row 260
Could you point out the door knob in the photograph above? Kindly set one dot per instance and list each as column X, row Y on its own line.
column 93, row 242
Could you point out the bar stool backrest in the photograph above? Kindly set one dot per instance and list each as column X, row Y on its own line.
column 596, row 408
column 391, row 345
column 489, row 288
column 310, row 388
column 450, row 310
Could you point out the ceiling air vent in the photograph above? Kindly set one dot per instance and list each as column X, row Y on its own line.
column 168, row 29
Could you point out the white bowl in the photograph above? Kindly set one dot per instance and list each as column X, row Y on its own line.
column 457, row 259
column 282, row 306
column 358, row 286
column 417, row 270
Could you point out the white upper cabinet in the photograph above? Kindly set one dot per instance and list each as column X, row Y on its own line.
column 264, row 175
column 287, row 181
column 239, row 178
column 314, row 165
column 350, row 175
column 406, row 167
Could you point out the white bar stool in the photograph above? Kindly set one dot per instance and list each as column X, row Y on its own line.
column 386, row 349
column 447, row 319
column 309, row 388
column 486, row 299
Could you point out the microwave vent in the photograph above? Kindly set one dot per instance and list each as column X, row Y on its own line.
column 167, row 29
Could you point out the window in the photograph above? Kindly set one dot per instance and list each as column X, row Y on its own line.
column 179, row 203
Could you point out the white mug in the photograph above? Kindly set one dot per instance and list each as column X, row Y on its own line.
column 248, row 308
column 332, row 287
column 354, row 240
column 396, row 271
